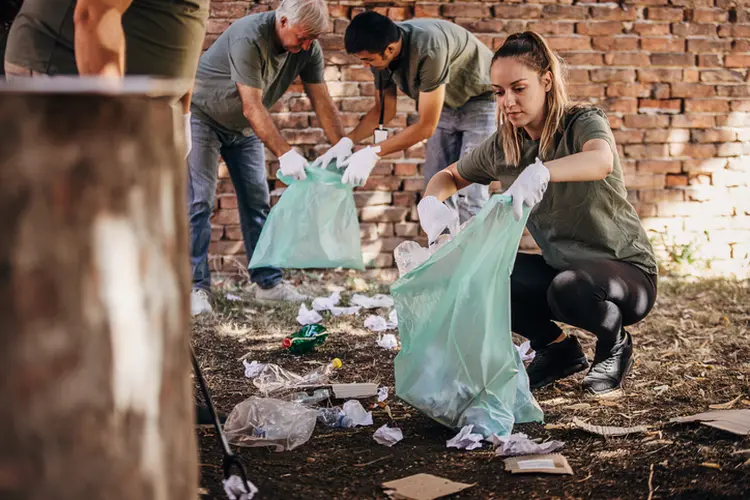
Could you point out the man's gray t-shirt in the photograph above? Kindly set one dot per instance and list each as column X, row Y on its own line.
column 249, row 53
column 434, row 53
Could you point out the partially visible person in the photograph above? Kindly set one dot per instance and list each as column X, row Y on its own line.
column 445, row 69
column 8, row 12
column 109, row 38
column 249, row 67
column 597, row 270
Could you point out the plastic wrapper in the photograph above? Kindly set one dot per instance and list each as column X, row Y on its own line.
column 270, row 422
column 457, row 362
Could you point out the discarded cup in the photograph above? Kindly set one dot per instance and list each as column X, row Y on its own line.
column 306, row 339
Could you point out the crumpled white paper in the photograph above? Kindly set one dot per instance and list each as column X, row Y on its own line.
column 307, row 317
column 326, row 303
column 525, row 351
column 345, row 311
column 382, row 394
column 388, row 436
column 374, row 302
column 465, row 440
column 520, row 444
column 380, row 324
column 253, row 369
column 388, row 341
column 232, row 297
column 236, row 490
column 356, row 412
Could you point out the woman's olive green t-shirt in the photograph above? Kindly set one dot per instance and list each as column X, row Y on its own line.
column 575, row 221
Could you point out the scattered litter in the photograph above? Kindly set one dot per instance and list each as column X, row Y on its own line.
column 726, row 406
column 358, row 390
column 233, row 298
column 734, row 421
column 307, row 317
column 409, row 255
column 388, row 341
column 253, row 369
column 524, row 350
column 235, row 488
column 382, row 394
column 357, row 413
column 711, row 465
column 549, row 464
column 272, row 378
column 310, row 399
column 374, row 302
column 520, row 444
column 380, row 324
column 270, row 422
column 422, row 487
column 345, row 311
column 333, row 417
column 465, row 440
column 306, row 339
column 608, row 431
column 388, row 436
column 326, row 303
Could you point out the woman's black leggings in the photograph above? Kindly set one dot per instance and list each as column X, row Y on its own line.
column 600, row 296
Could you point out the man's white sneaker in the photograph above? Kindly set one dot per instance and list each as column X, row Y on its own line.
column 280, row 293
column 200, row 302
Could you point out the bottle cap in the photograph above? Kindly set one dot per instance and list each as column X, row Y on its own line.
column 336, row 363
column 286, row 343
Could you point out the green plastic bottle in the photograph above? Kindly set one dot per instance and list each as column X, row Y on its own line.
column 306, row 339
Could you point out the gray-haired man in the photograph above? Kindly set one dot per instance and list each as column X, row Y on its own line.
column 243, row 74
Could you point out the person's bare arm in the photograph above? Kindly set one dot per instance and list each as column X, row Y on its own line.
column 430, row 107
column 99, row 38
column 446, row 183
column 259, row 118
column 369, row 122
column 326, row 110
column 593, row 163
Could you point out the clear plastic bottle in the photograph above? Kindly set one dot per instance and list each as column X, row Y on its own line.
column 334, row 417
column 307, row 399
column 322, row 374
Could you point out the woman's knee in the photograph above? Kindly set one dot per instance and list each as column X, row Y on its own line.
column 571, row 293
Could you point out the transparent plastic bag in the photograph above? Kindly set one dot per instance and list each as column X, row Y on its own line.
column 270, row 422
column 458, row 363
column 314, row 225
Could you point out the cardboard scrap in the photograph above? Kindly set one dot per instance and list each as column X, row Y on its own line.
column 608, row 431
column 356, row 390
column 734, row 421
column 422, row 487
column 549, row 464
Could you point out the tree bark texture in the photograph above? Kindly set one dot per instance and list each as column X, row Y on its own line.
column 94, row 281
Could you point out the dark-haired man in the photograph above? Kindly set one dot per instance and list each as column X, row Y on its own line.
column 446, row 70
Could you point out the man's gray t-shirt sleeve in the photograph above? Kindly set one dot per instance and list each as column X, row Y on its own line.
column 313, row 70
column 245, row 63
column 481, row 164
column 434, row 70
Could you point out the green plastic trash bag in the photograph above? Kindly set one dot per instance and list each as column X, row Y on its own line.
column 314, row 225
column 458, row 363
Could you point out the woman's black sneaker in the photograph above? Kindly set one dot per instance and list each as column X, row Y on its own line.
column 556, row 361
column 609, row 369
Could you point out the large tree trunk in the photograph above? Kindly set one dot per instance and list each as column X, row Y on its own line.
column 94, row 366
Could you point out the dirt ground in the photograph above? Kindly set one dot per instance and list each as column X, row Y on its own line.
column 691, row 352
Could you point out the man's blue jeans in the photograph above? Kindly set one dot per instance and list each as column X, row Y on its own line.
column 459, row 131
column 245, row 159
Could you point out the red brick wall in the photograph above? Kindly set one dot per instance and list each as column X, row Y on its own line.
column 672, row 75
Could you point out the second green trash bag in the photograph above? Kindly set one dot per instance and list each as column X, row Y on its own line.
column 458, row 363
column 313, row 225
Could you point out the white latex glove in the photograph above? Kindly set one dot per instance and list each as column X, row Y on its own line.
column 340, row 152
column 188, row 135
column 359, row 165
column 434, row 217
column 528, row 189
column 292, row 164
